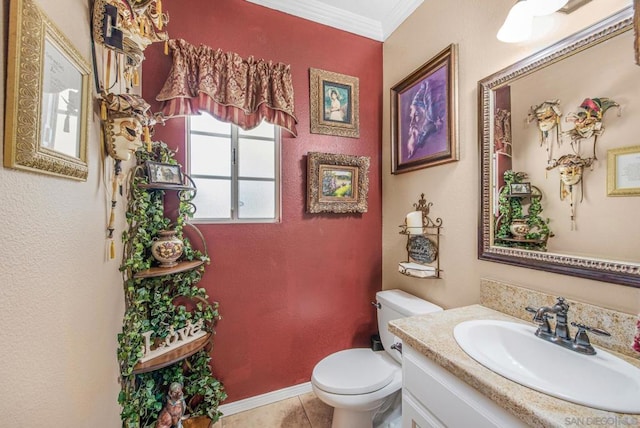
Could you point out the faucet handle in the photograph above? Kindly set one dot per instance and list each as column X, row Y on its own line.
column 597, row 331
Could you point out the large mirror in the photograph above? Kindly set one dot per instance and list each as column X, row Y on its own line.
column 555, row 118
column 48, row 89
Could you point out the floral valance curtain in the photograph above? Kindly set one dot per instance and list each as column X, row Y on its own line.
column 230, row 88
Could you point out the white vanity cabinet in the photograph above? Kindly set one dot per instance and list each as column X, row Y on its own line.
column 433, row 397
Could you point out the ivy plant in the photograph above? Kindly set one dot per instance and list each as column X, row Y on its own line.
column 511, row 208
column 156, row 303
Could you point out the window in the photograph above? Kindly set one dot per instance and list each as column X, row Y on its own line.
column 237, row 172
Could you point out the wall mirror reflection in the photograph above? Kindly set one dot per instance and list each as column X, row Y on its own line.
column 548, row 122
column 48, row 88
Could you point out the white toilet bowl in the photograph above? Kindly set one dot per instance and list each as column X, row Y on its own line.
column 358, row 382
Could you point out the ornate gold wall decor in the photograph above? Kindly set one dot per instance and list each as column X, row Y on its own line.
column 335, row 104
column 337, row 183
column 47, row 89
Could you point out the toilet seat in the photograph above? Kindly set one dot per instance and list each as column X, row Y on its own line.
column 354, row 371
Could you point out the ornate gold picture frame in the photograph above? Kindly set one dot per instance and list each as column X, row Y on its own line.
column 334, row 104
column 623, row 171
column 337, row 183
column 48, row 89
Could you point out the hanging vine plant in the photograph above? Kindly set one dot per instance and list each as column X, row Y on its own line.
column 157, row 303
column 511, row 208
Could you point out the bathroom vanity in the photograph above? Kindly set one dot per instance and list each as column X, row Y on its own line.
column 445, row 387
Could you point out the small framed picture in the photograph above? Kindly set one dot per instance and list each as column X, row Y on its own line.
column 334, row 104
column 623, row 171
column 163, row 173
column 337, row 183
column 518, row 189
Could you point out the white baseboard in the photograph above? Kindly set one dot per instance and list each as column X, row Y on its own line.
column 264, row 399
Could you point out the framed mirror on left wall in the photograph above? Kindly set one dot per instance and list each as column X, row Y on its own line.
column 48, row 89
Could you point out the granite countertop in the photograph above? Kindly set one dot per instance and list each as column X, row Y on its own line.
column 432, row 335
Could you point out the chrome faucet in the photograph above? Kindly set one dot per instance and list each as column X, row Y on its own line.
column 561, row 335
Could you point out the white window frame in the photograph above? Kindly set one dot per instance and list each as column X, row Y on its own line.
column 235, row 143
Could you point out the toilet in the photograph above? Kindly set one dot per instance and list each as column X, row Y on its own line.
column 359, row 382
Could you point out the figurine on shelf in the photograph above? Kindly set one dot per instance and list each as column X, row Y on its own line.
column 547, row 114
column 171, row 415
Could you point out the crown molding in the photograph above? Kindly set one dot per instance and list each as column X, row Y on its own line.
column 323, row 13
column 398, row 15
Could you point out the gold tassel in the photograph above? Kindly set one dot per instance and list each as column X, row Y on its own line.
column 147, row 138
column 136, row 77
column 112, row 250
column 103, row 110
column 159, row 10
column 108, row 78
column 166, row 47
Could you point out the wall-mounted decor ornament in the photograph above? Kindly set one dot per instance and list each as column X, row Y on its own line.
column 588, row 121
column 547, row 115
column 423, row 242
column 571, row 169
column 502, row 131
column 126, row 28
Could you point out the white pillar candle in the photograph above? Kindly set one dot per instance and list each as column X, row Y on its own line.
column 414, row 222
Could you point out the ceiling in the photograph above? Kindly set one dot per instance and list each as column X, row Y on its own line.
column 374, row 19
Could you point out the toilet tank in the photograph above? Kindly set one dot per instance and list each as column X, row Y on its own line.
column 394, row 304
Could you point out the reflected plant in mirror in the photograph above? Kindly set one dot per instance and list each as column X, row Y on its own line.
column 510, row 100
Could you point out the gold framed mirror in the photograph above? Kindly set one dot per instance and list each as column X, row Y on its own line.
column 602, row 246
column 48, row 90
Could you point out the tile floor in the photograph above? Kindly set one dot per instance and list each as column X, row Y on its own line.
column 303, row 411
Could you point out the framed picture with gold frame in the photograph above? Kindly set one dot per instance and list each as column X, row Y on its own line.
column 334, row 104
column 337, row 183
column 623, row 171
column 48, row 90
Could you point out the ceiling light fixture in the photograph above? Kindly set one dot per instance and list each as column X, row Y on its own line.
column 519, row 23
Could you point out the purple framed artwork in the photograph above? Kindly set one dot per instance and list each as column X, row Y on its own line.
column 424, row 123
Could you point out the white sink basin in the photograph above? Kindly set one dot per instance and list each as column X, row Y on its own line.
column 602, row 381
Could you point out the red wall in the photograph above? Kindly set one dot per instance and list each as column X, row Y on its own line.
column 290, row 293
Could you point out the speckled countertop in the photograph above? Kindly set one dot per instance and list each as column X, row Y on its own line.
column 432, row 335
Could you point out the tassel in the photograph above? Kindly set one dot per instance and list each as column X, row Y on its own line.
column 136, row 77
column 147, row 138
column 166, row 47
column 108, row 78
column 159, row 10
column 112, row 250
column 103, row 110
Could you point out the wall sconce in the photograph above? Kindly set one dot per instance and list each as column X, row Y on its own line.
column 519, row 23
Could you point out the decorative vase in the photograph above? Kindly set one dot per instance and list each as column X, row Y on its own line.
column 167, row 248
column 519, row 228
column 197, row 422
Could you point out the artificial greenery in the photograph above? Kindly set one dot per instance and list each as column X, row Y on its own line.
column 511, row 208
column 155, row 304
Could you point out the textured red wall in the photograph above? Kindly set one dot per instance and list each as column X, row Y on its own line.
column 294, row 292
